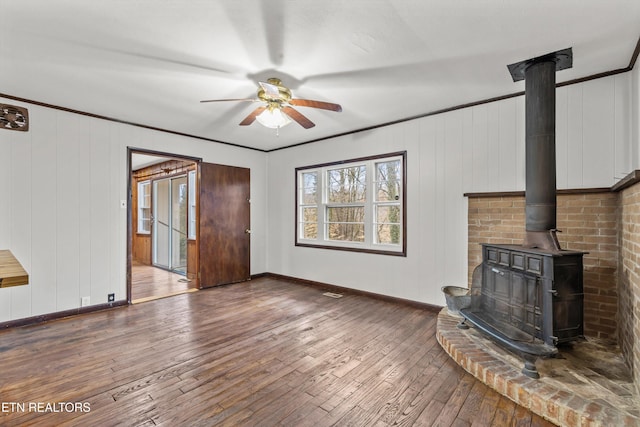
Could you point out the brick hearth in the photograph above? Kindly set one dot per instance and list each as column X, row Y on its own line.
column 604, row 223
column 588, row 384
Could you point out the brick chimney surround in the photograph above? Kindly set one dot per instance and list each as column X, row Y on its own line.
column 605, row 222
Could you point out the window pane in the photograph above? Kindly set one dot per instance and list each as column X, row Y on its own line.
column 144, row 194
column 310, row 230
column 388, row 171
column 346, row 214
column 192, row 222
column 144, row 207
column 347, row 185
column 388, row 233
column 388, row 179
column 388, row 214
column 346, row 232
column 387, row 191
column 388, row 224
column 309, row 196
column 310, row 215
column 346, row 223
column 309, row 225
column 144, row 223
column 192, row 205
column 309, row 188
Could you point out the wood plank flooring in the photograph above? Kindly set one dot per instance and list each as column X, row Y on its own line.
column 260, row 353
column 148, row 282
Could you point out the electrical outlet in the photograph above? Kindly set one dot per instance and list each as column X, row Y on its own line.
column 111, row 297
column 85, row 301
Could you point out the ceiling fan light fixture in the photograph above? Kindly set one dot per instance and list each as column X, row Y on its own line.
column 278, row 108
column 273, row 118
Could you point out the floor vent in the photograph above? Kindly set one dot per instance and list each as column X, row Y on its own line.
column 332, row 295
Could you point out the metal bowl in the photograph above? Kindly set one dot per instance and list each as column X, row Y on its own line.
column 457, row 298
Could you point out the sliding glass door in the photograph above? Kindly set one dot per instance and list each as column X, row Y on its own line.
column 170, row 224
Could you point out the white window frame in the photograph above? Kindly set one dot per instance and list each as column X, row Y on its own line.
column 144, row 202
column 370, row 204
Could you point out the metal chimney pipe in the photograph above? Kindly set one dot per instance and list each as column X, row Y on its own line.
column 540, row 145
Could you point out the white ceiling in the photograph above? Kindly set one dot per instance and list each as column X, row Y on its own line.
column 150, row 62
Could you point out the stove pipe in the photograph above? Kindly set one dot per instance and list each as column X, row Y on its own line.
column 540, row 145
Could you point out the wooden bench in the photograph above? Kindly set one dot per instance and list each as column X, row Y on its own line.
column 11, row 272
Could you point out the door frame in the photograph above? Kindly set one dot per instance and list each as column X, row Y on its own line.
column 130, row 152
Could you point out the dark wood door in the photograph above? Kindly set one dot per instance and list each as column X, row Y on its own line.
column 224, row 225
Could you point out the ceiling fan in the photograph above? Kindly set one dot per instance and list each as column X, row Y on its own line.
column 277, row 110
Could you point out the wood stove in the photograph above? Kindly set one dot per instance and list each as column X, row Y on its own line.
column 531, row 296
column 530, row 300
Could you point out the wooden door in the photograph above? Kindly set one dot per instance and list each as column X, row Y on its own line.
column 224, row 224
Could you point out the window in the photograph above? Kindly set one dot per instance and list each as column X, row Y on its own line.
column 144, row 207
column 356, row 205
column 192, row 205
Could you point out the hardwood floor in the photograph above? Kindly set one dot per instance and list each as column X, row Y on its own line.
column 148, row 282
column 260, row 353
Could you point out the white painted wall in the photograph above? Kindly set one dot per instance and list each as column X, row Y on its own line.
column 476, row 149
column 61, row 184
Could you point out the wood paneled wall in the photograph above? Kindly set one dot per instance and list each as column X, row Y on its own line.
column 64, row 182
column 64, row 187
column 471, row 150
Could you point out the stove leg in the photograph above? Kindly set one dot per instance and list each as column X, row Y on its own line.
column 462, row 325
column 530, row 369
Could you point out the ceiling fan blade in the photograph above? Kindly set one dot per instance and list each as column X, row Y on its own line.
column 273, row 15
column 298, row 117
column 252, row 117
column 316, row 104
column 233, row 99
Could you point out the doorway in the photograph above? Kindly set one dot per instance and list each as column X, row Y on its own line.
column 162, row 242
column 168, row 254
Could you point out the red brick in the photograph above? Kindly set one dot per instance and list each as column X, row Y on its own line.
column 556, row 404
column 605, row 224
